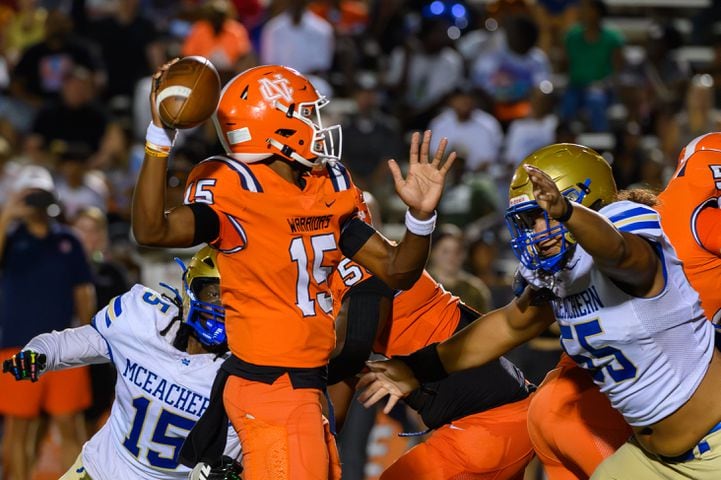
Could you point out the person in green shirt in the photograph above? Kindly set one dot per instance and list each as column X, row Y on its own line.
column 593, row 53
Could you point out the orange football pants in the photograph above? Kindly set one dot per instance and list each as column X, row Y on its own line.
column 490, row 445
column 282, row 430
column 572, row 424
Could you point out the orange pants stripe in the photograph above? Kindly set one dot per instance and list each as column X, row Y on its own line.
column 572, row 424
column 491, row 445
column 282, row 430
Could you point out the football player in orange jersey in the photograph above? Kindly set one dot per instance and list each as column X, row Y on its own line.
column 690, row 216
column 484, row 406
column 281, row 211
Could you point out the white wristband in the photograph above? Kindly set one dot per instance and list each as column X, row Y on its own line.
column 420, row 227
column 161, row 137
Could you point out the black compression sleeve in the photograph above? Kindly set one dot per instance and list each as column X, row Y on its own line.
column 425, row 364
column 363, row 316
column 354, row 235
column 207, row 225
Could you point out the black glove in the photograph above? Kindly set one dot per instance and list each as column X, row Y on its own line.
column 25, row 365
column 224, row 469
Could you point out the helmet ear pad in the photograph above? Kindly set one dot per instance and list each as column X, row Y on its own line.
column 274, row 110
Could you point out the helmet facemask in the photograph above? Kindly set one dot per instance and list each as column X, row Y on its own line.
column 206, row 318
column 525, row 240
column 326, row 144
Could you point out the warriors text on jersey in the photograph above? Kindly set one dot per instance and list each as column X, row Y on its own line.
column 633, row 347
column 277, row 245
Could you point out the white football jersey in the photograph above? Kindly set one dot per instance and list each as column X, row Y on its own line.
column 648, row 355
column 160, row 391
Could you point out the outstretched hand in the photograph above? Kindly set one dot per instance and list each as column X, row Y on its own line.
column 546, row 192
column 386, row 377
column 25, row 365
column 422, row 188
column 154, row 91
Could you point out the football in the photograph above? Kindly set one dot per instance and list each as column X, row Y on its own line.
column 188, row 92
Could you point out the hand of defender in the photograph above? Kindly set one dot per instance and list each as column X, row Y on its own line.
column 224, row 469
column 386, row 377
column 25, row 365
column 422, row 188
column 546, row 192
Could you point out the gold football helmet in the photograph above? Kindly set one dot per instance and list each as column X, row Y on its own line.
column 206, row 318
column 581, row 175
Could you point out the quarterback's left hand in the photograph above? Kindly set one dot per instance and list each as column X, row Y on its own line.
column 422, row 188
column 25, row 365
column 224, row 469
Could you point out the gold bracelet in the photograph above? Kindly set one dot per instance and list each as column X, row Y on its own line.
column 151, row 152
column 157, row 148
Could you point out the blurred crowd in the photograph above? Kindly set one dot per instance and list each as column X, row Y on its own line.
column 498, row 78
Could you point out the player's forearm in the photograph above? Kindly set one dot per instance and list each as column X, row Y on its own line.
column 148, row 209
column 71, row 347
column 408, row 260
column 597, row 236
column 493, row 335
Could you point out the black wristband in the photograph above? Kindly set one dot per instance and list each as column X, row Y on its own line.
column 567, row 214
column 425, row 364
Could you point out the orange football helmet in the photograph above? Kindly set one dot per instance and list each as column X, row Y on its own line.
column 273, row 109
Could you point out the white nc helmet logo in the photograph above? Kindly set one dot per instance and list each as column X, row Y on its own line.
column 275, row 88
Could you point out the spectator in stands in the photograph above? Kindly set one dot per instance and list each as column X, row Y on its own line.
column 25, row 28
column 526, row 135
column 509, row 72
column 666, row 75
column 448, row 253
column 593, row 53
column 130, row 47
column 78, row 187
column 349, row 19
column 476, row 135
column 422, row 72
column 220, row 38
column 655, row 79
column 42, row 67
column 76, row 117
column 654, row 172
column 485, row 255
column 298, row 38
column 470, row 199
column 698, row 118
column 554, row 17
column 45, row 283
column 628, row 156
column 370, row 137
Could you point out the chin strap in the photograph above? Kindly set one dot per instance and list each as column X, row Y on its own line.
column 289, row 152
